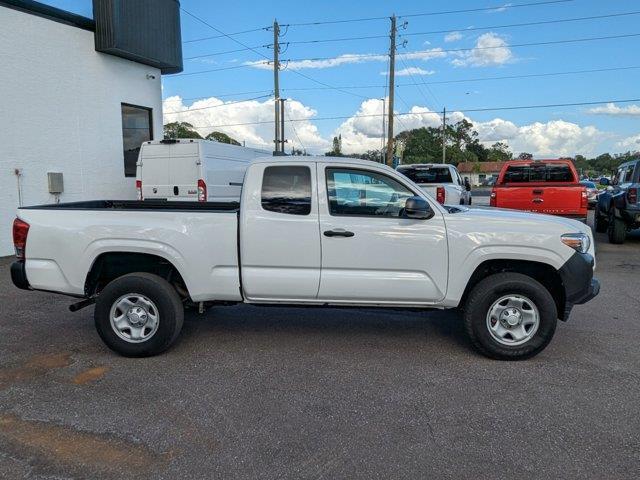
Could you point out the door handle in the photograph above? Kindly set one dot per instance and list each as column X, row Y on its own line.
column 538, row 200
column 338, row 233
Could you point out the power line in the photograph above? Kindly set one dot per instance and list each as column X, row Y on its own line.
column 527, row 24
column 484, row 9
column 259, row 53
column 217, row 106
column 221, row 95
column 437, row 82
column 225, row 52
column 437, row 50
column 466, row 110
column 295, row 132
column 202, row 39
column 369, row 19
column 214, row 70
column 343, row 39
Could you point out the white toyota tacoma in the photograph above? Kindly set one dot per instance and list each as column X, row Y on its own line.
column 312, row 231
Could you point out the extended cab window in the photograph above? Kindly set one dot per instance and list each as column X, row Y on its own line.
column 362, row 193
column 287, row 189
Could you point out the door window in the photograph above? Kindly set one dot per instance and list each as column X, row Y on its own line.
column 136, row 129
column 287, row 189
column 365, row 193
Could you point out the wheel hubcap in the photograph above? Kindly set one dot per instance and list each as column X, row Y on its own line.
column 134, row 318
column 513, row 320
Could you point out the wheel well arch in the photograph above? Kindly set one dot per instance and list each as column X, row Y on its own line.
column 544, row 273
column 111, row 265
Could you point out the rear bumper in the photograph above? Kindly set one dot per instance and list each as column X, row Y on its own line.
column 19, row 275
column 577, row 279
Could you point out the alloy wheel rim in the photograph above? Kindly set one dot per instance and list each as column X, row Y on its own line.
column 134, row 318
column 513, row 320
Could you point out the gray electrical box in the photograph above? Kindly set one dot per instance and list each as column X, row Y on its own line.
column 56, row 183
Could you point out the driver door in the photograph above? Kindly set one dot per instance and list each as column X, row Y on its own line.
column 370, row 252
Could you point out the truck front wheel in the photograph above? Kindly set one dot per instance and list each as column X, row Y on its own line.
column 510, row 316
column 617, row 229
column 139, row 315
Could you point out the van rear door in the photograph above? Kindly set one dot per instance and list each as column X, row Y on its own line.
column 170, row 171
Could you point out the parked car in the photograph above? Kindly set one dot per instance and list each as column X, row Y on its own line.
column 192, row 169
column 542, row 186
column 592, row 192
column 618, row 209
column 442, row 181
column 318, row 231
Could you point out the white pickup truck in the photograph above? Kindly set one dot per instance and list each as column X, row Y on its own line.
column 440, row 180
column 312, row 231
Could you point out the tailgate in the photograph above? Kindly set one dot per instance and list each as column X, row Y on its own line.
column 552, row 200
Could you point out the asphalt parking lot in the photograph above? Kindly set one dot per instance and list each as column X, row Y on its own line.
column 302, row 393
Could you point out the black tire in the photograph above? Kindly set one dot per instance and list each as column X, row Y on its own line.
column 601, row 223
column 617, row 230
column 491, row 289
column 170, row 314
column 469, row 201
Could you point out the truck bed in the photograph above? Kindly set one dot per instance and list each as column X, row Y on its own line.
column 199, row 238
column 129, row 205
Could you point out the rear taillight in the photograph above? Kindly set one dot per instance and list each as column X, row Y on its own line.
column 139, row 189
column 493, row 198
column 20, row 232
column 632, row 195
column 202, row 191
column 584, row 200
column 440, row 195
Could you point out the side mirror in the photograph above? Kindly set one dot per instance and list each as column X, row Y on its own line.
column 417, row 208
column 604, row 181
column 467, row 184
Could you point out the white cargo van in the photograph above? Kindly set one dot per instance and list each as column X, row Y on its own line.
column 192, row 169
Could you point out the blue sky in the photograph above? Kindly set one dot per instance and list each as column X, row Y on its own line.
column 581, row 130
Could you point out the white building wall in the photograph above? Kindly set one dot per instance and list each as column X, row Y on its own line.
column 60, row 111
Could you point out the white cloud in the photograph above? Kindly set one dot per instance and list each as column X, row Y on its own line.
column 453, row 37
column 500, row 9
column 554, row 138
column 351, row 58
column 363, row 130
column 490, row 50
column 405, row 72
column 613, row 109
column 260, row 136
column 629, row 143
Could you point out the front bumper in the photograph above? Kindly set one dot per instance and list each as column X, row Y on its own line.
column 19, row 275
column 577, row 279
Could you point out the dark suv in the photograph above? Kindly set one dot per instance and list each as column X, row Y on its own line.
column 618, row 210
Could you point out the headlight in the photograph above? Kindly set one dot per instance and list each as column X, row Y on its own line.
column 578, row 241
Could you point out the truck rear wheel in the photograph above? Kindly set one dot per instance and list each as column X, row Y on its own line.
column 510, row 316
column 139, row 315
column 617, row 229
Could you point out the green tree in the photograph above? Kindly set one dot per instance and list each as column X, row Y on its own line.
column 180, row 130
column 221, row 138
column 499, row 152
column 525, row 156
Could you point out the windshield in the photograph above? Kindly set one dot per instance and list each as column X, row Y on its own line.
column 422, row 175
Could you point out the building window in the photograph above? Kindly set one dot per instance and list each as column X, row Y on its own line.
column 136, row 129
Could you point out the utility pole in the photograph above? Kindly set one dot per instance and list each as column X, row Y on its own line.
column 392, row 81
column 276, row 86
column 384, row 126
column 282, row 140
column 444, row 135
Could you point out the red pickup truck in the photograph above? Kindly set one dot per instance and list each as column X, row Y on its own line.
column 543, row 186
